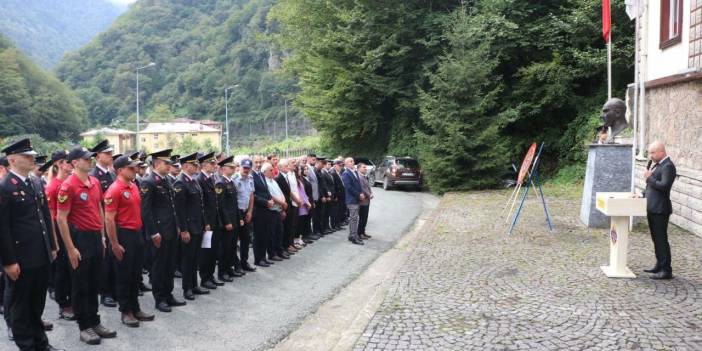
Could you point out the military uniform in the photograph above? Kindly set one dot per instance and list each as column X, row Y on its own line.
column 158, row 212
column 191, row 218
column 107, row 276
column 229, row 215
column 208, row 256
column 26, row 239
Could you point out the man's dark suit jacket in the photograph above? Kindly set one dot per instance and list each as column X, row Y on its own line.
column 658, row 187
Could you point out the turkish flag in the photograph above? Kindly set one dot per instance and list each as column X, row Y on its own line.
column 606, row 20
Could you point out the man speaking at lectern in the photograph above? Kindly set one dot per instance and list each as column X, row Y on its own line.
column 660, row 174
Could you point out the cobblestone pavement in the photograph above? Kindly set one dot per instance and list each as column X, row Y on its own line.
column 468, row 285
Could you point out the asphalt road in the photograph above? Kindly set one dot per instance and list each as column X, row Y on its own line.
column 258, row 310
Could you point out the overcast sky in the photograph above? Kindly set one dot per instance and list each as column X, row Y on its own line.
column 122, row 2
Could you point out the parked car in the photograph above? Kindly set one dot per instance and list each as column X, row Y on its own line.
column 398, row 171
column 370, row 167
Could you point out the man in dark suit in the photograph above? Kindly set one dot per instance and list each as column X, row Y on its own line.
column 338, row 200
column 263, row 215
column 659, row 181
column 26, row 246
column 353, row 195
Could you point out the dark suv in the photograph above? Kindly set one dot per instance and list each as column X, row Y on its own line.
column 393, row 171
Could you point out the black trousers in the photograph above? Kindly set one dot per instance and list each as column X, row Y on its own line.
column 658, row 224
column 290, row 227
column 316, row 215
column 189, row 256
column 227, row 251
column 208, row 256
column 324, row 213
column 276, row 236
column 62, row 277
column 128, row 270
column 334, row 214
column 263, row 222
column 28, row 297
column 362, row 218
column 86, row 278
column 108, row 279
column 304, row 226
column 163, row 268
column 244, row 239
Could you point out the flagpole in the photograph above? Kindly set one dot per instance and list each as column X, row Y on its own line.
column 609, row 66
column 635, row 115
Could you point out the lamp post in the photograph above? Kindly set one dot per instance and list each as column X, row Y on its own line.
column 151, row 64
column 226, row 114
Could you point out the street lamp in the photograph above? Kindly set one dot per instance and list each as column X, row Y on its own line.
column 226, row 113
column 151, row 64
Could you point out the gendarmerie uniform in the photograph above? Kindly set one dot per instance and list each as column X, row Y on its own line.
column 26, row 239
column 191, row 218
column 229, row 215
column 244, row 193
column 159, row 216
column 208, row 256
column 326, row 182
column 105, row 178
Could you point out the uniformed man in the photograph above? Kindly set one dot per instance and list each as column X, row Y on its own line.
column 208, row 255
column 229, row 215
column 26, row 246
column 103, row 173
column 337, row 211
column 62, row 268
column 174, row 169
column 245, row 202
column 160, row 224
column 81, row 223
column 191, row 223
column 123, row 225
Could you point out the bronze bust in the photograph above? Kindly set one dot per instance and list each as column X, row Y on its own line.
column 614, row 119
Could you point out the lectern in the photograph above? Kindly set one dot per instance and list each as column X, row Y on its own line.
column 619, row 207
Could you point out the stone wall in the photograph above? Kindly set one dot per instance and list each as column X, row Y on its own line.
column 674, row 116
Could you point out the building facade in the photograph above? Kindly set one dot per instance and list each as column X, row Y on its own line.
column 123, row 140
column 157, row 135
column 670, row 61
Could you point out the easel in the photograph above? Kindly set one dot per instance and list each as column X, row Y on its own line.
column 532, row 181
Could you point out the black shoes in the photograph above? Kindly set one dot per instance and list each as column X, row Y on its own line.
column 108, row 301
column 173, row 302
column 216, row 282
column 356, row 241
column 365, row 237
column 200, row 291
column 226, row 278
column 653, row 270
column 207, row 285
column 142, row 316
column 163, row 307
column 275, row 258
column 262, row 264
column 188, row 294
column 662, row 275
column 247, row 268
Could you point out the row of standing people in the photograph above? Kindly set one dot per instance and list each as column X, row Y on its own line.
column 89, row 231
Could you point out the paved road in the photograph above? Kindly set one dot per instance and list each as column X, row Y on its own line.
column 256, row 311
column 469, row 286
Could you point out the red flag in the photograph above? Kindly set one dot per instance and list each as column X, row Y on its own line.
column 606, row 20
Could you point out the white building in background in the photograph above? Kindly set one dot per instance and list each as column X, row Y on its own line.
column 670, row 57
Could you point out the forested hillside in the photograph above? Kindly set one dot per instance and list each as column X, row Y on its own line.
column 46, row 29
column 199, row 48
column 34, row 101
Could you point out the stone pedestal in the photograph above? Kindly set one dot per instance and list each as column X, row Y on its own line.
column 608, row 170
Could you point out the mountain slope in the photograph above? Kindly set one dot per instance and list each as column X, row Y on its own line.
column 34, row 101
column 200, row 48
column 46, row 29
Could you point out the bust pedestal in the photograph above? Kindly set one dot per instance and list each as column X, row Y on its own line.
column 608, row 170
